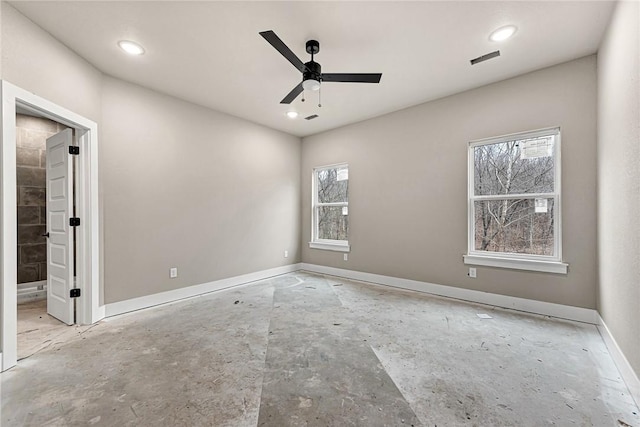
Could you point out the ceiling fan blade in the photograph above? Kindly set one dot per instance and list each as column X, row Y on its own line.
column 293, row 94
column 275, row 41
column 352, row 78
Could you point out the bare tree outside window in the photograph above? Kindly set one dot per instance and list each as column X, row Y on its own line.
column 332, row 203
column 515, row 196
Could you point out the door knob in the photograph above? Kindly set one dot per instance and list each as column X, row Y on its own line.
column 46, row 235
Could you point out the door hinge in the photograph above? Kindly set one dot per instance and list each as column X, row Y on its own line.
column 74, row 222
column 74, row 149
column 74, row 293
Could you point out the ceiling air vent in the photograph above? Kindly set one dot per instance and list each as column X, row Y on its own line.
column 486, row 57
column 311, row 117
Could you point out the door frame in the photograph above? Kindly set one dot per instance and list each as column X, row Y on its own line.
column 88, row 244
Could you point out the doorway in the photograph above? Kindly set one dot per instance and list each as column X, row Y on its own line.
column 88, row 306
column 37, row 323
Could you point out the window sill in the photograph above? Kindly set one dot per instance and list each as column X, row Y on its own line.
column 518, row 264
column 338, row 247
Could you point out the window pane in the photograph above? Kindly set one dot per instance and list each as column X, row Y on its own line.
column 523, row 226
column 333, row 185
column 515, row 167
column 333, row 223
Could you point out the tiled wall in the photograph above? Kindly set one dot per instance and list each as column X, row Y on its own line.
column 31, row 135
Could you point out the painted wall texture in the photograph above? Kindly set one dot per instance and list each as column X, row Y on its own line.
column 32, row 59
column 186, row 187
column 1, row 25
column 408, row 183
column 619, row 179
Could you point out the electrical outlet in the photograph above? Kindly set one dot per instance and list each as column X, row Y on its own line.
column 472, row 272
column 286, row 254
column 346, row 257
column 173, row 272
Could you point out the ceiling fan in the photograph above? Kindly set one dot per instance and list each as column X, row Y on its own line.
column 311, row 71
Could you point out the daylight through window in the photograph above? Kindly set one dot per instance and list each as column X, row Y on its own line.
column 331, row 208
column 514, row 196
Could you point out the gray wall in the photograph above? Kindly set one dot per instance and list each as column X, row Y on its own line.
column 408, row 183
column 1, row 26
column 32, row 59
column 186, row 187
column 619, row 179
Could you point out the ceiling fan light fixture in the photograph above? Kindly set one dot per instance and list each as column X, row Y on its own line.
column 132, row 48
column 503, row 33
column 311, row 84
column 292, row 114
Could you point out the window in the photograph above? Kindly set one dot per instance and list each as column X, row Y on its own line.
column 514, row 202
column 330, row 208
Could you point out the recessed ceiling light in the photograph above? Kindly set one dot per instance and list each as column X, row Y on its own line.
column 503, row 33
column 130, row 47
column 292, row 114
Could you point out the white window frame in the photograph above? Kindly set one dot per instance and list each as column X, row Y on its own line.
column 317, row 243
column 544, row 263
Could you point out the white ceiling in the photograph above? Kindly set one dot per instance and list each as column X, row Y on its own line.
column 210, row 53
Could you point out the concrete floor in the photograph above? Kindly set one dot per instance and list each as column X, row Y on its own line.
column 38, row 331
column 306, row 350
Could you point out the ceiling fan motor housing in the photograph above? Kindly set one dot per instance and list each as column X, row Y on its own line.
column 312, row 71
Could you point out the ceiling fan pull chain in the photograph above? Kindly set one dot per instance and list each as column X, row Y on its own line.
column 303, row 95
column 319, row 98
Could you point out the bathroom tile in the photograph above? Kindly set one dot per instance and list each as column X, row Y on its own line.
column 28, row 138
column 32, row 196
column 27, row 157
column 30, row 234
column 28, row 273
column 43, row 158
column 33, row 253
column 34, row 177
column 36, row 123
column 28, row 215
column 43, row 271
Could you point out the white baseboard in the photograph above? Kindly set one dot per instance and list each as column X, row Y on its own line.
column 30, row 292
column 626, row 371
column 514, row 303
column 120, row 307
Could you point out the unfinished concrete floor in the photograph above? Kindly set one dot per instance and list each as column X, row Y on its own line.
column 306, row 350
column 38, row 331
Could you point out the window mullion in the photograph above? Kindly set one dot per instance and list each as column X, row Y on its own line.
column 513, row 196
column 333, row 204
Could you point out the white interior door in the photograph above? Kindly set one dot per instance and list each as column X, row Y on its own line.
column 60, row 242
